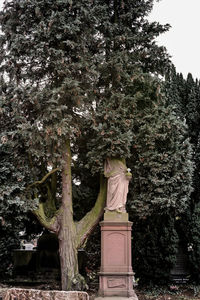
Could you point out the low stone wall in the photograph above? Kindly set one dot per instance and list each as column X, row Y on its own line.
column 31, row 294
column 3, row 291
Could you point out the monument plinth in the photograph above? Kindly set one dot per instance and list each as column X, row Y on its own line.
column 116, row 275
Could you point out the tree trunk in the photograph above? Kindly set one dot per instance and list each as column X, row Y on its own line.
column 67, row 228
column 68, row 251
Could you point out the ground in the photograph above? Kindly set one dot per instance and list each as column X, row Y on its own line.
column 187, row 292
column 169, row 293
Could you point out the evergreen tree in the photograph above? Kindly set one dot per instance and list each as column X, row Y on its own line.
column 154, row 248
column 174, row 91
column 11, row 182
column 187, row 108
column 161, row 163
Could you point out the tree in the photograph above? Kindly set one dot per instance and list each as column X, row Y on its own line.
column 161, row 163
column 187, row 108
column 154, row 248
column 11, row 182
column 76, row 70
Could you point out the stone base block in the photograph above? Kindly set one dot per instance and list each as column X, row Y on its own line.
column 119, row 285
column 117, row 298
column 115, row 216
column 30, row 294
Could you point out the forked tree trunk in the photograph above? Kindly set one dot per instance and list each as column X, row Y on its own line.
column 71, row 234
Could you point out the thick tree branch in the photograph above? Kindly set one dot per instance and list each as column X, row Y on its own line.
column 50, row 224
column 91, row 219
column 43, row 179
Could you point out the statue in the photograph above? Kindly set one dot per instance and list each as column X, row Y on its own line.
column 117, row 188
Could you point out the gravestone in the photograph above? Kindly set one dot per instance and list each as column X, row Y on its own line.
column 116, row 275
column 180, row 273
column 24, row 261
column 48, row 247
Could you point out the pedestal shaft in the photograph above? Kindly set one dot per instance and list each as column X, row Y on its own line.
column 116, row 274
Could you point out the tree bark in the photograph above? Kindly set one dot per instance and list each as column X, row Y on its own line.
column 67, row 250
column 67, row 229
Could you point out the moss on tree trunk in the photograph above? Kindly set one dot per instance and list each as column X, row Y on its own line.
column 71, row 234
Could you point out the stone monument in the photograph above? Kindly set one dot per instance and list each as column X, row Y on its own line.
column 116, row 275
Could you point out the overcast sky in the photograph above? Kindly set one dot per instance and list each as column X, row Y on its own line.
column 183, row 39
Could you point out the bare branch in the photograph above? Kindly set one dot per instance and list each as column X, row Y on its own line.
column 43, row 179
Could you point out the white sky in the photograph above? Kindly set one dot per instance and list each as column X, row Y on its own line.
column 183, row 39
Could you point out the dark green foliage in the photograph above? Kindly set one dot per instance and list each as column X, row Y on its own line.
column 93, row 249
column 85, row 196
column 187, row 107
column 155, row 242
column 161, row 186
column 161, row 163
column 13, row 179
column 65, row 54
column 74, row 67
column 174, row 91
column 196, row 178
column 188, row 228
column 11, row 212
column 9, row 241
column 187, row 93
column 85, row 187
column 162, row 168
column 192, row 230
column 129, row 53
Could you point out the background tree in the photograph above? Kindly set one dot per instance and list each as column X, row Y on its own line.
column 161, row 157
column 154, row 248
column 187, row 108
column 159, row 192
column 12, row 180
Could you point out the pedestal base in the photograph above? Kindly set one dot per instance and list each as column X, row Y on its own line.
column 117, row 298
column 116, row 274
column 116, row 285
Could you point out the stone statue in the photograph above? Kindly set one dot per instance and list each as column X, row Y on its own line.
column 117, row 188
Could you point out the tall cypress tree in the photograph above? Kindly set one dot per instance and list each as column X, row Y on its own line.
column 187, row 92
column 187, row 108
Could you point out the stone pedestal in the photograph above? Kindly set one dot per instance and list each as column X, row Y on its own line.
column 116, row 274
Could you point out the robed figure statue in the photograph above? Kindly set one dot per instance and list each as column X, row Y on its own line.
column 118, row 177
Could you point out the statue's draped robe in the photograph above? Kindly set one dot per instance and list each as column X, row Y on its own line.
column 115, row 170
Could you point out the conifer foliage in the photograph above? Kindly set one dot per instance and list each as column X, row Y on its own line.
column 154, row 248
column 184, row 94
column 163, row 165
